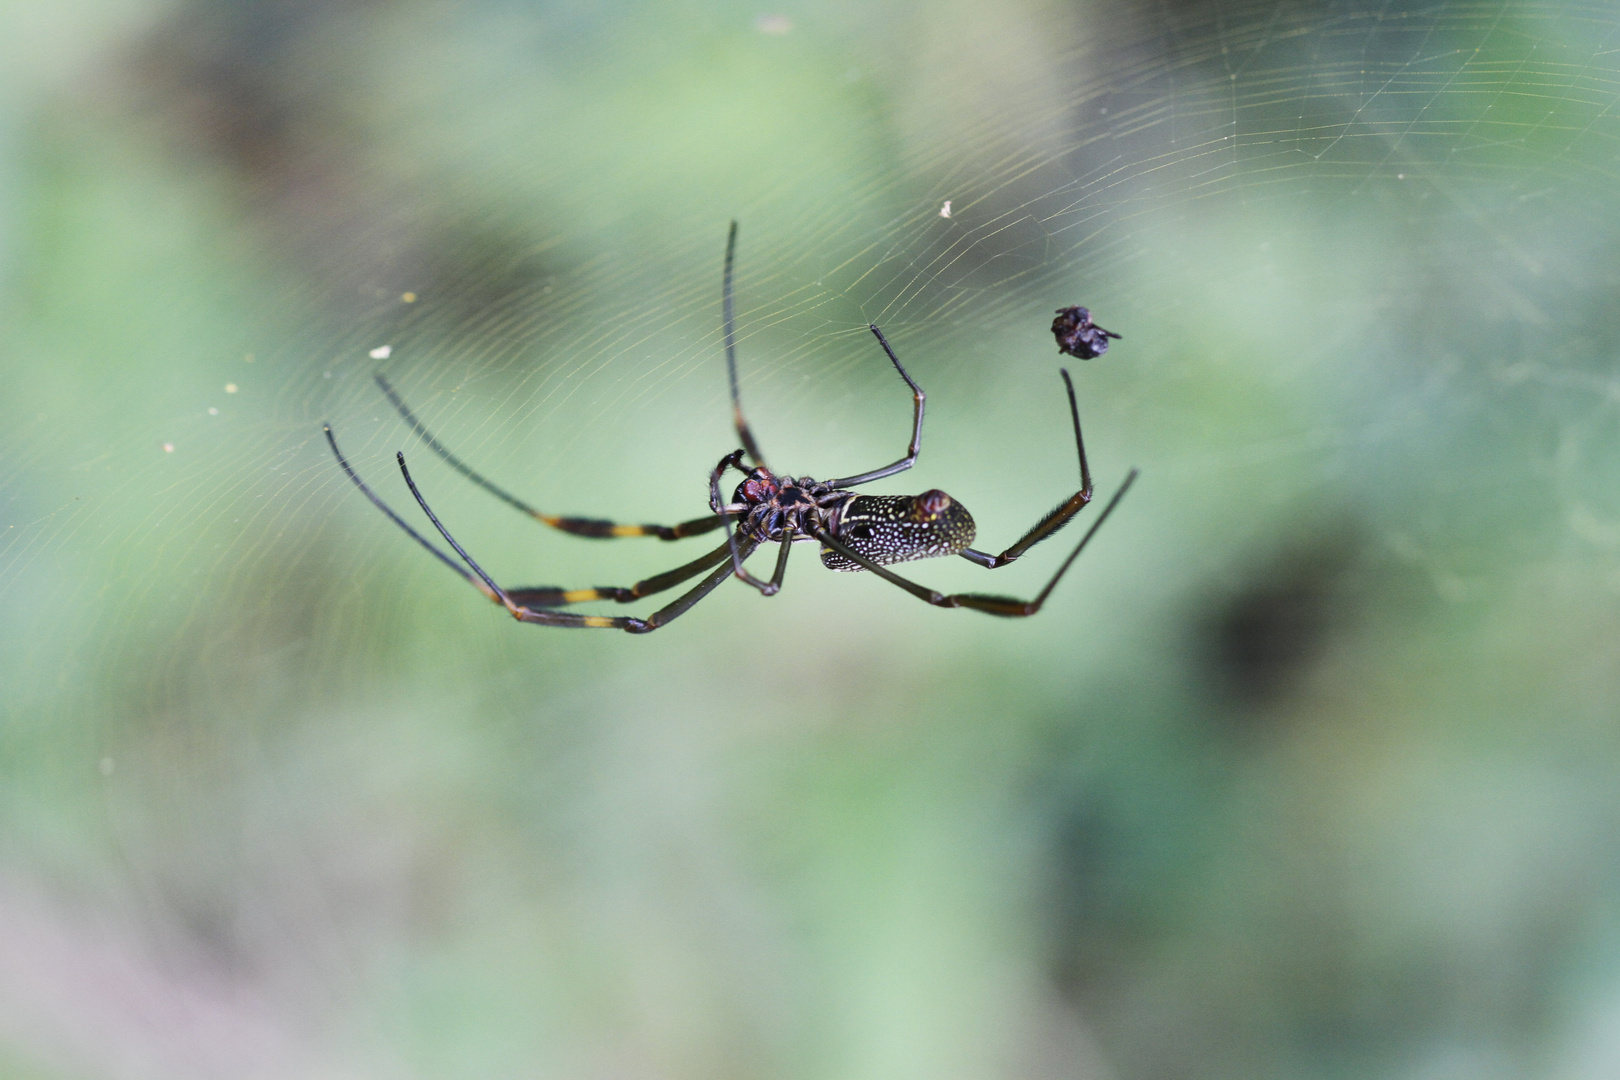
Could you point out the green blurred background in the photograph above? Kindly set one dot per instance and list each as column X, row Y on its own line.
column 1306, row 770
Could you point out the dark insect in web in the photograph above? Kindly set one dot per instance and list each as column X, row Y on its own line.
column 855, row 532
column 1078, row 336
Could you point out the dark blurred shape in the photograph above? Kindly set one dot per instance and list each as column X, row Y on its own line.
column 227, row 77
column 1124, row 832
column 1078, row 336
column 1098, row 930
column 1258, row 638
column 235, row 82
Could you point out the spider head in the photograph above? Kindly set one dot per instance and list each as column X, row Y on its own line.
column 759, row 487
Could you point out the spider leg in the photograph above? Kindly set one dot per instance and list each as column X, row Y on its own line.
column 480, row 580
column 732, row 460
column 527, row 614
column 918, row 398
column 669, row 612
column 376, row 501
column 539, row 596
column 1059, row 517
column 773, row 586
column 744, row 435
column 781, row 563
column 994, row 605
column 590, row 527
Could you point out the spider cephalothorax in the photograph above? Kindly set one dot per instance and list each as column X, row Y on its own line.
column 772, row 506
column 856, row 532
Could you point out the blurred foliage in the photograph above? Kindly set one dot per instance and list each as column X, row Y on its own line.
column 1306, row 770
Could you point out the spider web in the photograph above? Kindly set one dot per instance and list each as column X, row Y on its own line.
column 309, row 785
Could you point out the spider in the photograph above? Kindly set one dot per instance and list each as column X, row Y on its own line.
column 856, row 532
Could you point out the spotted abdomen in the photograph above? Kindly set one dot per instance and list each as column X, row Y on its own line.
column 899, row 528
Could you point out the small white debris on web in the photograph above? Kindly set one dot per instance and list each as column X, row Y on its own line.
column 230, row 388
column 212, row 411
column 945, row 211
column 168, row 448
column 773, row 24
column 382, row 352
column 409, row 298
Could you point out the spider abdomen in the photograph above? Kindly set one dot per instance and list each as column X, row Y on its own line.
column 900, row 528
